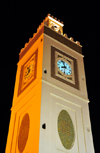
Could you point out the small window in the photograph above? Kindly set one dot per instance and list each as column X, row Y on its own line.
column 45, row 71
column 55, row 26
column 44, row 126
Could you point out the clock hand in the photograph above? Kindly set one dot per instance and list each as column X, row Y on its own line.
column 63, row 66
column 28, row 71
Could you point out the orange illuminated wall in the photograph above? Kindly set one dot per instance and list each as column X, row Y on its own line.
column 23, row 135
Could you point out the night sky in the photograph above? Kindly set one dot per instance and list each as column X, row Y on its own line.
column 20, row 19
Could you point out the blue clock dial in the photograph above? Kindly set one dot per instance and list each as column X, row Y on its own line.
column 64, row 67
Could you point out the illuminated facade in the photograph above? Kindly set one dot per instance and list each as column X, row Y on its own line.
column 50, row 104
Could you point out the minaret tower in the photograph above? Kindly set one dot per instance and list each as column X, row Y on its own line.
column 49, row 112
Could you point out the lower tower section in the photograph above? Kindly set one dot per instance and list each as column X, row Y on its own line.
column 66, row 118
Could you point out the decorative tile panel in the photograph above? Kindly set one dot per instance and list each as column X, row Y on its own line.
column 66, row 129
column 23, row 133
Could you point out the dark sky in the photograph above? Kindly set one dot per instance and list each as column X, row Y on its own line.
column 20, row 19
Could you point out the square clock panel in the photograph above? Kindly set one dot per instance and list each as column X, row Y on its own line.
column 28, row 72
column 64, row 67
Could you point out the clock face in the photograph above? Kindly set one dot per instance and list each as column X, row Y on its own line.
column 64, row 67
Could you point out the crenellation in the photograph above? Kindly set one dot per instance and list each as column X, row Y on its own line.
column 66, row 35
column 30, row 39
column 71, row 38
column 77, row 42
column 52, row 16
column 25, row 44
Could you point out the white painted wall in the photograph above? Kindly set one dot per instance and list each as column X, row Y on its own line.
column 57, row 96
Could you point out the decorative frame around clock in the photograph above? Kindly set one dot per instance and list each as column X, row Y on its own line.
column 70, row 80
column 22, row 83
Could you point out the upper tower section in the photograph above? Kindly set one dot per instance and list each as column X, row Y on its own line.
column 59, row 55
column 52, row 27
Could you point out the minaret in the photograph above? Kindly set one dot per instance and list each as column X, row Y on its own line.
column 50, row 111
